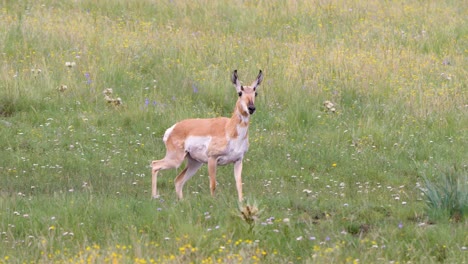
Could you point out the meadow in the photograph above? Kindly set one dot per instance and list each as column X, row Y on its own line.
column 378, row 176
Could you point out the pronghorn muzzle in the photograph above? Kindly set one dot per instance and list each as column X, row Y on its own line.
column 251, row 108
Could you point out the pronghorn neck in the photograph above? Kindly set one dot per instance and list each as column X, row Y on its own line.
column 241, row 115
column 238, row 125
column 239, row 119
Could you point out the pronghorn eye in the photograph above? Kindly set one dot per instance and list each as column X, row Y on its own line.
column 240, row 94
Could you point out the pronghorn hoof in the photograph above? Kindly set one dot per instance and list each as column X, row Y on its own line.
column 156, row 196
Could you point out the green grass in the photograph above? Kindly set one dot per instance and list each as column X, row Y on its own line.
column 356, row 185
column 448, row 197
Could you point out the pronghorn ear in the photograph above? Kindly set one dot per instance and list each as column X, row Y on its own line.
column 236, row 81
column 259, row 80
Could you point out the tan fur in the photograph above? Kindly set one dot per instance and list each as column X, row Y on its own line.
column 215, row 141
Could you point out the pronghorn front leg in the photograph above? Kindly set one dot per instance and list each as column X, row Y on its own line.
column 238, row 177
column 212, row 163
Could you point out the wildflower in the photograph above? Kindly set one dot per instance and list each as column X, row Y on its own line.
column 269, row 221
column 250, row 214
column 108, row 99
column 113, row 101
column 334, row 165
column 117, row 101
column 88, row 78
column 70, row 64
column 400, row 225
column 329, row 106
column 195, row 88
column 107, row 91
column 62, row 88
column 446, row 76
column 328, row 250
column 36, row 71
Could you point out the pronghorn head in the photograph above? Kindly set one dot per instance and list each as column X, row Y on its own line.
column 246, row 102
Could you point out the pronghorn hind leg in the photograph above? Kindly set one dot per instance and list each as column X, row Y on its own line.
column 154, row 183
column 155, row 167
column 186, row 174
column 169, row 162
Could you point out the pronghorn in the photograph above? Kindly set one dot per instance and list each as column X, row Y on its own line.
column 215, row 141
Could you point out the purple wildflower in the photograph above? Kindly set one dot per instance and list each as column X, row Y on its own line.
column 195, row 88
column 88, row 78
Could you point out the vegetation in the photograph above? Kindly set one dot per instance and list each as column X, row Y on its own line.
column 357, row 148
column 448, row 197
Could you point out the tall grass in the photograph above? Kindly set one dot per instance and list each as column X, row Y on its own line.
column 340, row 186
column 448, row 195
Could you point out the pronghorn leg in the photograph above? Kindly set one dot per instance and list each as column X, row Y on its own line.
column 154, row 181
column 186, row 174
column 169, row 162
column 238, row 177
column 212, row 163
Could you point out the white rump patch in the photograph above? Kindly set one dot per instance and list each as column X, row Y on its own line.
column 168, row 133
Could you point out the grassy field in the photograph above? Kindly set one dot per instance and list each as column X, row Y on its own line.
column 381, row 178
